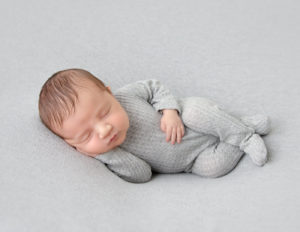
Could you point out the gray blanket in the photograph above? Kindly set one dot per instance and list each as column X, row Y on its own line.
column 242, row 54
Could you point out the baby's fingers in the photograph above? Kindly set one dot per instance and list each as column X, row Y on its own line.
column 173, row 136
column 168, row 134
column 179, row 135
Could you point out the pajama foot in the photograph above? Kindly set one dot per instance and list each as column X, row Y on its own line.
column 256, row 149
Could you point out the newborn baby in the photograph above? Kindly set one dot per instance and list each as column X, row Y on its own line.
column 142, row 127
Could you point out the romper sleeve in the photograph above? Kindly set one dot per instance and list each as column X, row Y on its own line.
column 126, row 165
column 154, row 93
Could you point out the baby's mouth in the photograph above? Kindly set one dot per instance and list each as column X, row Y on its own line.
column 113, row 138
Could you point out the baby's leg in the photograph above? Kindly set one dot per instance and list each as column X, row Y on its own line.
column 260, row 123
column 217, row 160
column 205, row 116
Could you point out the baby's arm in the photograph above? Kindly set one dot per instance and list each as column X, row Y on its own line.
column 126, row 165
column 154, row 93
column 163, row 101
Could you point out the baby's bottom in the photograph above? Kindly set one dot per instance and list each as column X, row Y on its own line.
column 217, row 160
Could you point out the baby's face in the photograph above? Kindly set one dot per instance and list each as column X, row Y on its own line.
column 98, row 124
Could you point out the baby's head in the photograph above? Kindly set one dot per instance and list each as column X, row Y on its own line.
column 79, row 108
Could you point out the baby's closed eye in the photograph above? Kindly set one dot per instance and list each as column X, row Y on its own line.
column 86, row 138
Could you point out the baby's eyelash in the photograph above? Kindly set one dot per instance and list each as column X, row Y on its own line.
column 106, row 113
column 87, row 137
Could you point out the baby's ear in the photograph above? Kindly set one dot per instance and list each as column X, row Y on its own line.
column 108, row 88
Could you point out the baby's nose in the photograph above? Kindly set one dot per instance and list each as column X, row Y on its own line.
column 103, row 130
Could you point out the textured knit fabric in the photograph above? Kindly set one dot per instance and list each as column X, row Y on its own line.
column 210, row 146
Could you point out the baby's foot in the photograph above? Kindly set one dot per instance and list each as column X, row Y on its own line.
column 256, row 149
column 260, row 123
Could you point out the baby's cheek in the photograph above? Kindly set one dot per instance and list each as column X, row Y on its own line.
column 121, row 120
column 94, row 146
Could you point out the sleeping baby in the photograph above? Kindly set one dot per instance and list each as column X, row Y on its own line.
column 141, row 127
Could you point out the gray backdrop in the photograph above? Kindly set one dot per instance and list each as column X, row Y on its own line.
column 242, row 54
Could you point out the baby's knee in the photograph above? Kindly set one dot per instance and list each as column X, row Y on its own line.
column 209, row 171
column 217, row 160
column 193, row 107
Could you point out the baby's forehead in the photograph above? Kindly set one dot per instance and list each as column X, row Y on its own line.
column 87, row 102
column 87, row 86
column 89, row 95
column 81, row 83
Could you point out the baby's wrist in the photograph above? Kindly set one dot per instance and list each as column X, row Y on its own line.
column 170, row 111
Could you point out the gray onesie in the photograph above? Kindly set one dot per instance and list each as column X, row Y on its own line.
column 210, row 146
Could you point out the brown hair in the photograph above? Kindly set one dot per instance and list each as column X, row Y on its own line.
column 58, row 95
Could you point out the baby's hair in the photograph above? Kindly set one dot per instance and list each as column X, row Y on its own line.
column 59, row 94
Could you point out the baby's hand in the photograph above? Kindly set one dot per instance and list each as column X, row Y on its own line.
column 172, row 125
